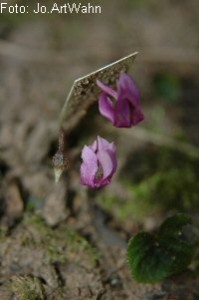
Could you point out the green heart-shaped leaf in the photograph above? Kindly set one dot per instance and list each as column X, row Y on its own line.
column 153, row 258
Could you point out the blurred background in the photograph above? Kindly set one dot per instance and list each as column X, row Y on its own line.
column 40, row 57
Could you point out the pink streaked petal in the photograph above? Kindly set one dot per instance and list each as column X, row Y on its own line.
column 111, row 147
column 127, row 87
column 89, row 166
column 107, row 89
column 87, row 174
column 106, row 107
column 102, row 144
column 88, row 154
column 122, row 114
column 93, row 147
column 114, row 161
column 106, row 163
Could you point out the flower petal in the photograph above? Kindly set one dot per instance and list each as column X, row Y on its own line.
column 102, row 144
column 89, row 166
column 111, row 147
column 98, row 166
column 107, row 89
column 127, row 87
column 114, row 161
column 94, row 146
column 106, row 107
column 122, row 114
column 137, row 116
column 106, row 163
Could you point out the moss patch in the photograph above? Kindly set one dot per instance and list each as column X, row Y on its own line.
column 163, row 181
column 60, row 244
column 27, row 288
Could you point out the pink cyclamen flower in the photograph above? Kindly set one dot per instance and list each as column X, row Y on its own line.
column 124, row 110
column 99, row 163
